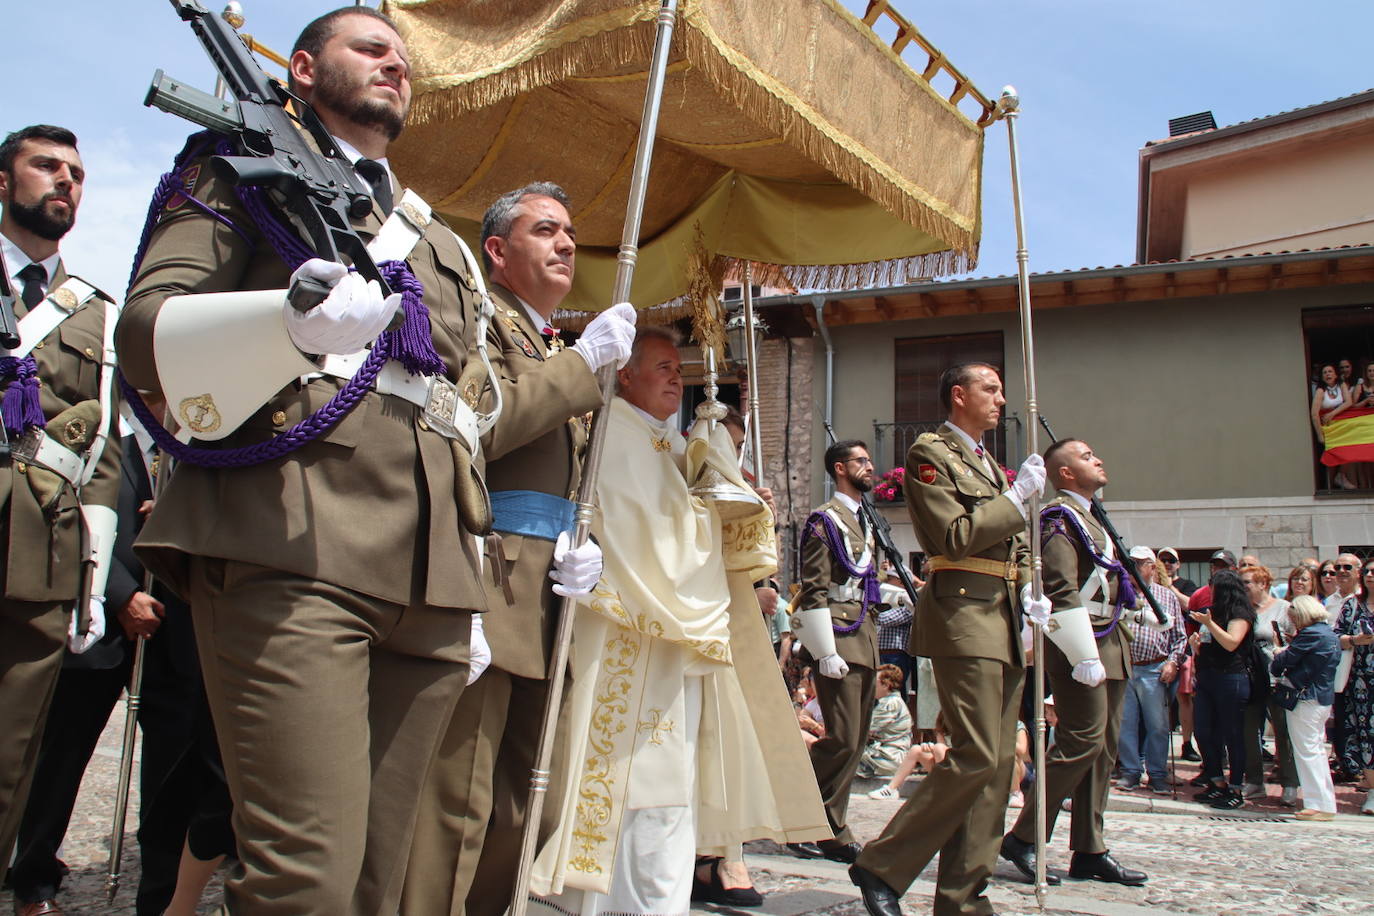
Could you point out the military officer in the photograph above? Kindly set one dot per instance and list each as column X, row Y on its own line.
column 467, row 838
column 837, row 622
column 970, row 524
column 333, row 587
column 59, row 463
column 1088, row 663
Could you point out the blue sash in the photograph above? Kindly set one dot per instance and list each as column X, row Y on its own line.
column 531, row 513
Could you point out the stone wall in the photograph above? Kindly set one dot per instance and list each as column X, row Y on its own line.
column 785, row 428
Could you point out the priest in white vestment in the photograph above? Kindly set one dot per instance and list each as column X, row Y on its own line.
column 667, row 753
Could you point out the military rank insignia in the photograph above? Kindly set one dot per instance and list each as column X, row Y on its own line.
column 926, row 473
column 186, row 183
column 527, row 347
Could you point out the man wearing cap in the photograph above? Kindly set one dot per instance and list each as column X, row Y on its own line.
column 1180, row 587
column 971, row 524
column 1088, row 664
column 1147, row 696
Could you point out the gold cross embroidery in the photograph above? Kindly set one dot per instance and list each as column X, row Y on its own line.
column 657, row 726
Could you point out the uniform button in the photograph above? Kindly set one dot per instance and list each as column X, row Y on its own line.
column 38, row 346
column 977, row 492
column 90, row 353
column 22, row 467
column 422, row 424
column 279, row 418
column 961, row 591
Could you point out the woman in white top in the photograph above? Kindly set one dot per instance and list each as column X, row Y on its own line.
column 1272, row 629
column 1330, row 398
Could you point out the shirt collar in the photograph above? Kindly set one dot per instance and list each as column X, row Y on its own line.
column 1083, row 502
column 351, row 153
column 16, row 260
column 655, row 422
column 538, row 320
column 848, row 502
column 968, row 440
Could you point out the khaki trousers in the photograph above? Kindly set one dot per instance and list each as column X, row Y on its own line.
column 1079, row 766
column 847, row 706
column 958, row 810
column 466, row 846
column 328, row 705
column 32, row 635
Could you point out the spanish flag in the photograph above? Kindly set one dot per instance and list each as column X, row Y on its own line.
column 1350, row 437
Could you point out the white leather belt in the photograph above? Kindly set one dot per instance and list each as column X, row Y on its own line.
column 37, row 448
column 845, row 593
column 437, row 397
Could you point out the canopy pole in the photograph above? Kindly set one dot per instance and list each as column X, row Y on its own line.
column 751, row 374
column 591, row 468
column 1008, row 106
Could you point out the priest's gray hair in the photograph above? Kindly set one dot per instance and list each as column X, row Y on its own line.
column 501, row 214
column 645, row 333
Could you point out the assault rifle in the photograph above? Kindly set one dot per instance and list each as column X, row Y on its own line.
column 9, row 325
column 882, row 534
column 1100, row 513
column 321, row 188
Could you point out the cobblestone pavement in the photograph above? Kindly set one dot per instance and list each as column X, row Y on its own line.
column 1200, row 861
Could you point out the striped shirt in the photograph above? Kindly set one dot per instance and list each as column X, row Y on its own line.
column 1149, row 645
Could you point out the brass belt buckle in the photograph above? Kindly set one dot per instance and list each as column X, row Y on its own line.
column 1011, row 574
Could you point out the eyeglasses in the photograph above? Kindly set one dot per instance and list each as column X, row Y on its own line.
column 1328, row 572
column 862, row 462
column 1345, row 567
column 1170, row 560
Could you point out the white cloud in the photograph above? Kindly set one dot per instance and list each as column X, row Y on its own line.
column 120, row 176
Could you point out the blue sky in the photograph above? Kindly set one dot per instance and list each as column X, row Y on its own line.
column 1097, row 78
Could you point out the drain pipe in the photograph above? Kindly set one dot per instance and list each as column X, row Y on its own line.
column 818, row 303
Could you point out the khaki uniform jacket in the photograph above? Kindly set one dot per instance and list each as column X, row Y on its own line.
column 819, row 572
column 370, row 505
column 547, row 457
column 958, row 512
column 1066, row 568
column 39, row 514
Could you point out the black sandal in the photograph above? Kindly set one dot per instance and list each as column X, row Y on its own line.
column 715, row 890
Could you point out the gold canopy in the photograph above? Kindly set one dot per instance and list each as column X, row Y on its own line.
column 790, row 136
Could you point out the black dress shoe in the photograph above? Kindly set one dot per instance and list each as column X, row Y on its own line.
column 805, row 850
column 1022, row 855
column 879, row 899
column 844, row 853
column 1100, row 866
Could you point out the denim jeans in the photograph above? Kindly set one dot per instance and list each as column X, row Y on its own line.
column 1219, row 712
column 1146, row 700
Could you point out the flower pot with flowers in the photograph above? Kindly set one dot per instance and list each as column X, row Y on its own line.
column 888, row 489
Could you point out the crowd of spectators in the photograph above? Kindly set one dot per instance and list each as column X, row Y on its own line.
column 1243, row 671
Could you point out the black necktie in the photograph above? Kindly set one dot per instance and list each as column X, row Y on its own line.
column 34, row 276
column 863, row 523
column 377, row 176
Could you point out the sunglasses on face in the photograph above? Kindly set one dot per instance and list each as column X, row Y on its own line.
column 1328, row 572
column 1345, row 567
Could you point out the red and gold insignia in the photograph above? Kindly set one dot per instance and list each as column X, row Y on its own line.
column 186, row 185
column 527, row 347
column 926, row 473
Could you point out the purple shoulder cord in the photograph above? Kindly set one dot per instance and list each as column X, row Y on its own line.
column 415, row 348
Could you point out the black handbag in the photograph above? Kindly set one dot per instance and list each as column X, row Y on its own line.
column 1257, row 667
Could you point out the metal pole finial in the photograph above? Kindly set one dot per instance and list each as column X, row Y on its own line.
column 233, row 14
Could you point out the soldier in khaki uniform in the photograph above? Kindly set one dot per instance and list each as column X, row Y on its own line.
column 467, row 839
column 333, row 589
column 1088, row 663
column 50, row 509
column 971, row 525
column 837, row 622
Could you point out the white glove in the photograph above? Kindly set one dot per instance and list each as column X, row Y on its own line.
column 79, row 644
column 1146, row 618
column 1090, row 672
column 608, row 338
column 479, row 653
column 576, row 570
column 1030, row 479
column 350, row 318
column 1037, row 609
column 833, row 666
